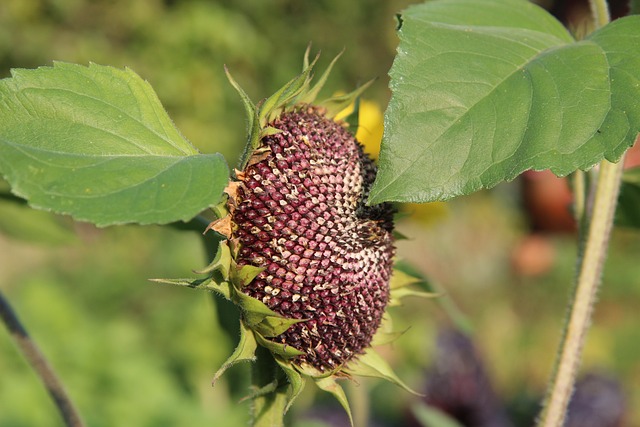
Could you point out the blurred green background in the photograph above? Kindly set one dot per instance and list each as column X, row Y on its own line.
column 133, row 353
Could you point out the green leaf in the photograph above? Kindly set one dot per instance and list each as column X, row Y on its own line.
column 95, row 143
column 244, row 352
column 628, row 211
column 481, row 94
column 428, row 416
column 620, row 42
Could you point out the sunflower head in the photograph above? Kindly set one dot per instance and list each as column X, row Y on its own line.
column 303, row 255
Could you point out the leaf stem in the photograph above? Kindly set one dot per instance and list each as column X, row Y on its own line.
column 589, row 277
column 34, row 356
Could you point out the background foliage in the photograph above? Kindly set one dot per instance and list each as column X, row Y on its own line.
column 135, row 353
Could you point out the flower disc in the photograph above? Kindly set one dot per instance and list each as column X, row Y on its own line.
column 300, row 213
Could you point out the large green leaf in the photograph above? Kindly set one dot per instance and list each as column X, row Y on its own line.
column 95, row 142
column 481, row 93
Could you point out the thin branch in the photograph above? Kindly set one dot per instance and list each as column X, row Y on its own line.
column 34, row 356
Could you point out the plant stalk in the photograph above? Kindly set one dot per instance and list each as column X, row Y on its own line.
column 267, row 409
column 597, row 222
column 589, row 278
column 359, row 399
column 36, row 359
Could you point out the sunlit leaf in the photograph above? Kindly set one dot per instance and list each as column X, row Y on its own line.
column 95, row 142
column 481, row 94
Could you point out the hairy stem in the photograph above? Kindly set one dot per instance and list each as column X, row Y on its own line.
column 359, row 399
column 268, row 408
column 589, row 277
column 596, row 221
column 34, row 356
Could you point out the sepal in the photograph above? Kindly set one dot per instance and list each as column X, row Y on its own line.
column 330, row 385
column 398, row 294
column 370, row 364
column 244, row 352
column 261, row 318
column 242, row 276
column 384, row 337
column 285, row 95
column 207, row 283
column 400, row 279
column 221, row 261
column 253, row 122
column 312, row 93
column 399, row 285
column 282, row 350
column 296, row 382
column 336, row 104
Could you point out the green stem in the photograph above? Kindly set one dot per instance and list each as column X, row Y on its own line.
column 589, row 278
column 268, row 409
column 359, row 398
column 592, row 252
column 34, row 356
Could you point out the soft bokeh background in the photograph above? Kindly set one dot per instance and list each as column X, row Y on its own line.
column 133, row 353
